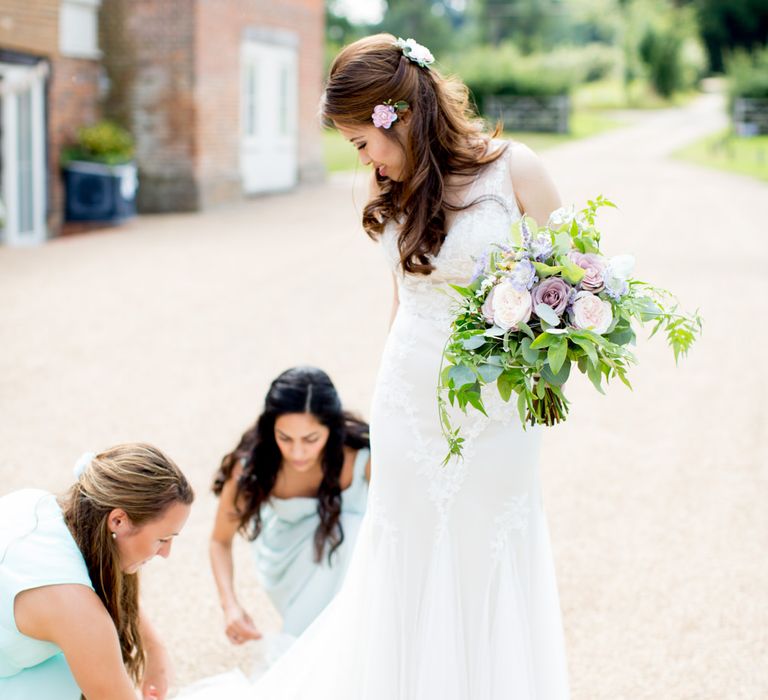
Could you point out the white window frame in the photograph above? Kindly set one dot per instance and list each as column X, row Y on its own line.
column 79, row 28
column 20, row 79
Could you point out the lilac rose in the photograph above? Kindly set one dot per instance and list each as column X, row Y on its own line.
column 594, row 268
column 554, row 292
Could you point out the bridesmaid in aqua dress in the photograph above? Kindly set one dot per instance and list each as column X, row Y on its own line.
column 70, row 621
column 297, row 486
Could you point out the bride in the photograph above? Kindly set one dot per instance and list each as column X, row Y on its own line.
column 451, row 591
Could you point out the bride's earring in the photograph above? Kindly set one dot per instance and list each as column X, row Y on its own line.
column 114, row 535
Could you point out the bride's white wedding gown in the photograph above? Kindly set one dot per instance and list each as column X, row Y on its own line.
column 451, row 591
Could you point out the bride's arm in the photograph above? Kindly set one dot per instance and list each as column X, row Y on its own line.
column 373, row 192
column 395, row 302
column 534, row 189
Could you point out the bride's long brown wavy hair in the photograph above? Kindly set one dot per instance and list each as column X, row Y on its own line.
column 443, row 137
column 143, row 482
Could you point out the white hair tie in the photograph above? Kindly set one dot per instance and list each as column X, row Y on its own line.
column 82, row 464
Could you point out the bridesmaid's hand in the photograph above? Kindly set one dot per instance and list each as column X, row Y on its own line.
column 157, row 674
column 239, row 625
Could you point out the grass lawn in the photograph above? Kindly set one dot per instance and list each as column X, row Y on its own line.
column 738, row 154
column 341, row 155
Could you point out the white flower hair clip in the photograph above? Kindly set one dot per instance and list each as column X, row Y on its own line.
column 384, row 115
column 415, row 52
column 82, row 464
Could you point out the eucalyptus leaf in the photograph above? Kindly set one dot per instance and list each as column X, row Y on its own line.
column 489, row 373
column 546, row 313
column 560, row 377
column 622, row 335
column 529, row 355
column 495, row 332
column 461, row 376
column 474, row 342
column 525, row 328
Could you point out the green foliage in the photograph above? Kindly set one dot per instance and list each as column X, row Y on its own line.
column 670, row 51
column 747, row 74
column 103, row 142
column 731, row 24
column 503, row 70
column 430, row 23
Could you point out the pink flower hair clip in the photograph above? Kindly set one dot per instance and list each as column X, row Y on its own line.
column 384, row 115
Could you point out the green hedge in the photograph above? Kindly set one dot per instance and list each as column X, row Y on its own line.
column 504, row 70
column 747, row 75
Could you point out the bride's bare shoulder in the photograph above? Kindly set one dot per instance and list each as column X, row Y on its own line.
column 534, row 188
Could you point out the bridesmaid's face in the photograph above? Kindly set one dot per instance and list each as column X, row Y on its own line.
column 301, row 439
column 377, row 148
column 136, row 545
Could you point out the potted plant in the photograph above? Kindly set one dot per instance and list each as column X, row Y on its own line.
column 100, row 175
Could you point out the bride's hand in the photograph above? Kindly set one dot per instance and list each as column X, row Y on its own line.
column 157, row 674
column 239, row 625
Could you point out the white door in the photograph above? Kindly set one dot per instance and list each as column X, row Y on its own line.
column 22, row 154
column 269, row 99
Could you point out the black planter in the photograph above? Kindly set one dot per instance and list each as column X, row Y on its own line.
column 96, row 192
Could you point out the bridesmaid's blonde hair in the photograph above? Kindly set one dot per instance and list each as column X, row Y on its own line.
column 143, row 482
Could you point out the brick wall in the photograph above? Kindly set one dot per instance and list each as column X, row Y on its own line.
column 73, row 100
column 149, row 58
column 31, row 26
column 220, row 26
column 174, row 70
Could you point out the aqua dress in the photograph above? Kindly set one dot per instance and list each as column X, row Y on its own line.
column 36, row 549
column 285, row 551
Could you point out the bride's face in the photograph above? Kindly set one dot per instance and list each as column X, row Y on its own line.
column 301, row 439
column 377, row 148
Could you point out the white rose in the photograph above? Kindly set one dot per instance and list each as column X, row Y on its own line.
column 510, row 306
column 416, row 52
column 591, row 312
column 617, row 272
column 620, row 267
column 563, row 215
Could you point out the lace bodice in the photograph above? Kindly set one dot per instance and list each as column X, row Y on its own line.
column 471, row 234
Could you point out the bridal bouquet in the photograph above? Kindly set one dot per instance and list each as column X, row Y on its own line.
column 544, row 303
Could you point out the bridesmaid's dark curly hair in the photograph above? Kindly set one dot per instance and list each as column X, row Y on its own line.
column 444, row 137
column 297, row 390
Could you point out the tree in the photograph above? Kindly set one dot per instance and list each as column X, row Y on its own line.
column 730, row 24
column 433, row 24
